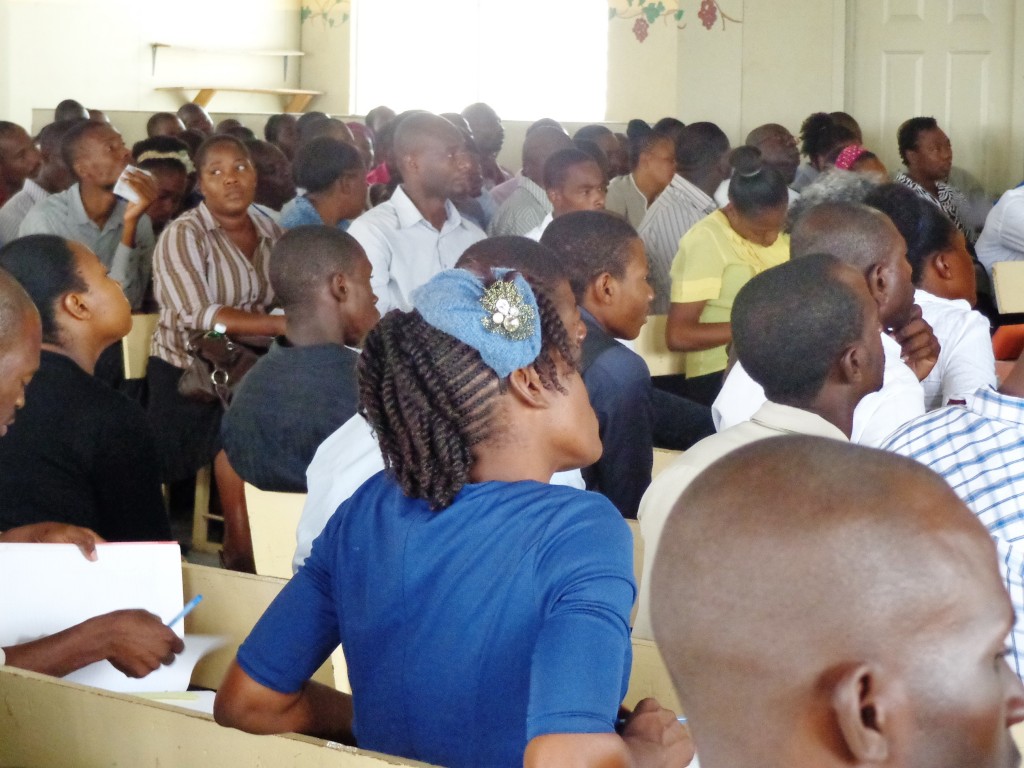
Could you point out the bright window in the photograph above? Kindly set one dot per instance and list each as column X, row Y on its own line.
column 526, row 58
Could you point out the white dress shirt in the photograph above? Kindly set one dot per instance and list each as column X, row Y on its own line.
column 1002, row 238
column 878, row 414
column 405, row 250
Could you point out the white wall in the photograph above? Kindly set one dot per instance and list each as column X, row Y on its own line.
column 98, row 52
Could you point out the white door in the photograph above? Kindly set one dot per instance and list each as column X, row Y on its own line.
column 951, row 59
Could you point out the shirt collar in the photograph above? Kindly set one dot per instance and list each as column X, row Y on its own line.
column 264, row 224
column 692, row 190
column 991, row 404
column 34, row 192
column 409, row 215
column 536, row 191
column 785, row 419
column 77, row 210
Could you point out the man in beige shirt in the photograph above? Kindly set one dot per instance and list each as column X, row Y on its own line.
column 808, row 332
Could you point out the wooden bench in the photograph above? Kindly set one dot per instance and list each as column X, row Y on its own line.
column 45, row 721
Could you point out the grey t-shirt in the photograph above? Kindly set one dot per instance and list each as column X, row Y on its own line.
column 288, row 404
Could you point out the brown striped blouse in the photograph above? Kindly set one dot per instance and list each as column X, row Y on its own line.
column 197, row 269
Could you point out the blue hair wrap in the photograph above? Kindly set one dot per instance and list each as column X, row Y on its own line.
column 501, row 321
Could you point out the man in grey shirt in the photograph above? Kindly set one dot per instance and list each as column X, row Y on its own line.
column 89, row 212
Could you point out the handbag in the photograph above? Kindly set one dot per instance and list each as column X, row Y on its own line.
column 218, row 365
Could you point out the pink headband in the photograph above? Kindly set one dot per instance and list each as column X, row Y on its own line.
column 850, row 154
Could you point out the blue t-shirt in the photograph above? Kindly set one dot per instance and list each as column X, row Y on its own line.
column 468, row 631
column 299, row 212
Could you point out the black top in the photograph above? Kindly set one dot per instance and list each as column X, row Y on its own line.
column 619, row 384
column 81, row 453
column 289, row 403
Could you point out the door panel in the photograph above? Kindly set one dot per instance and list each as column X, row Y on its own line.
column 953, row 59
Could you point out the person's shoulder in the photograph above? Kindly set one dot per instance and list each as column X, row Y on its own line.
column 380, row 217
column 49, row 208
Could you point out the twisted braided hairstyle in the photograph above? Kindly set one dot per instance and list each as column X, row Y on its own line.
column 430, row 398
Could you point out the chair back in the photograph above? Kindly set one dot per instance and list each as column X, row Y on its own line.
column 135, row 346
column 273, row 519
column 650, row 345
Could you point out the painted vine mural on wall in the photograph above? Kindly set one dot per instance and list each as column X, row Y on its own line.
column 648, row 12
column 330, row 13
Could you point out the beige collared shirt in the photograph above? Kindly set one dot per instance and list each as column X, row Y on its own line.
column 770, row 420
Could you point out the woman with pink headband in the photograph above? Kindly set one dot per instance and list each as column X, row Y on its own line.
column 854, row 157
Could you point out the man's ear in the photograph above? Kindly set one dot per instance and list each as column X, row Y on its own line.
column 878, row 284
column 850, row 365
column 338, row 286
column 525, row 385
column 73, row 303
column 864, row 704
column 604, row 288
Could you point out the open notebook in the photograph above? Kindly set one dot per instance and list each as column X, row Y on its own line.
column 45, row 588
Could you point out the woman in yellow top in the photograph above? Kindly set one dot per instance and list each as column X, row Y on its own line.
column 716, row 258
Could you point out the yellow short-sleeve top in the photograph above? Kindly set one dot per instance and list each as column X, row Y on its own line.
column 712, row 264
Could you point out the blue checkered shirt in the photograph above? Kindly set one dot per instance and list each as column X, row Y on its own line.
column 979, row 450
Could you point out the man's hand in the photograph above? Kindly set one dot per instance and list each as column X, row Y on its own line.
column 919, row 348
column 145, row 187
column 137, row 642
column 55, row 533
column 655, row 737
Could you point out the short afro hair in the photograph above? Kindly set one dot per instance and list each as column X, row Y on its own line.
column 305, row 258
column 909, row 132
column 790, row 324
column 588, row 244
column 925, row 227
column 322, row 161
column 556, row 167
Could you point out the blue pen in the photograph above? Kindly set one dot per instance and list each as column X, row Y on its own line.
column 620, row 722
column 186, row 610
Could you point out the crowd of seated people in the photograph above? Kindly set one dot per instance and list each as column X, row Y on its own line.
column 444, row 365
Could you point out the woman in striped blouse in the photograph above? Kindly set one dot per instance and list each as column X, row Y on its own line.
column 211, row 266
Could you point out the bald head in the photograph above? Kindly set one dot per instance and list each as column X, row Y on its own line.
column 418, row 129
column 16, row 311
column 802, row 582
column 540, row 144
column 20, row 340
column 852, row 232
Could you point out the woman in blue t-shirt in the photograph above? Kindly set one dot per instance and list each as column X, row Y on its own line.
column 484, row 613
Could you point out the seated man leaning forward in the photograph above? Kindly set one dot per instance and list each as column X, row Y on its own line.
column 304, row 388
column 506, row 586
column 808, row 333
column 117, row 231
column 865, row 239
column 607, row 267
column 829, row 605
column 418, row 232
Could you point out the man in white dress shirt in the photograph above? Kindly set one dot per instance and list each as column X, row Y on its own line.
column 418, row 232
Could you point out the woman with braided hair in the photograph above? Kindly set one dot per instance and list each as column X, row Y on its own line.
column 484, row 613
